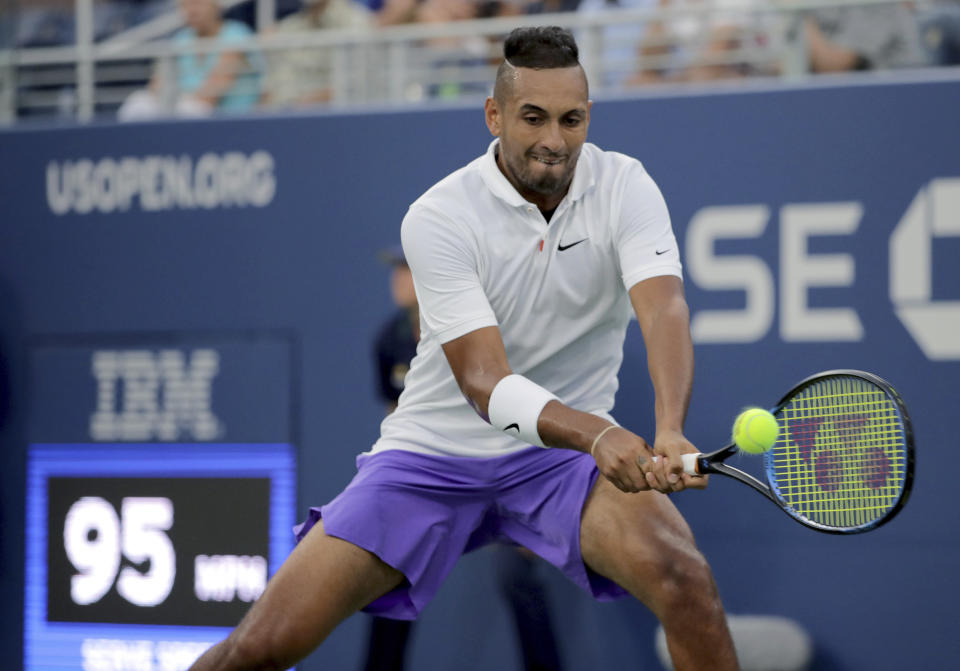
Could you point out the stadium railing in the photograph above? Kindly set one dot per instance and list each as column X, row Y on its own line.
column 416, row 63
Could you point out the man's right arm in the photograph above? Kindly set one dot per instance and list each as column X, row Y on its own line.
column 479, row 363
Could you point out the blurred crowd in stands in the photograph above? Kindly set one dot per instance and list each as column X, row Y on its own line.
column 666, row 47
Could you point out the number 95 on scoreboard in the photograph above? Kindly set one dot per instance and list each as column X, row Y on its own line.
column 139, row 557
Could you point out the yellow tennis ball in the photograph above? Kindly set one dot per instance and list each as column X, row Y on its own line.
column 755, row 430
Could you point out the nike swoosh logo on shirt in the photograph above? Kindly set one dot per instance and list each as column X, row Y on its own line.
column 512, row 426
column 561, row 247
column 659, row 252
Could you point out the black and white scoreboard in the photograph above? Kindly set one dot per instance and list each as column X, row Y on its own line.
column 160, row 497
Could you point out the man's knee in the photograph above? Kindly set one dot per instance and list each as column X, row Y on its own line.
column 686, row 570
column 674, row 574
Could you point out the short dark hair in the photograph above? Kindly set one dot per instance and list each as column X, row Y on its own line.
column 539, row 48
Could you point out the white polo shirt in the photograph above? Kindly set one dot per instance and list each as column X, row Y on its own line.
column 481, row 256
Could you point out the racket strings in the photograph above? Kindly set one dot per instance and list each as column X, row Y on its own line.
column 841, row 459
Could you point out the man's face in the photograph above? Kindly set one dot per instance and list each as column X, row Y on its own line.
column 200, row 14
column 401, row 286
column 542, row 125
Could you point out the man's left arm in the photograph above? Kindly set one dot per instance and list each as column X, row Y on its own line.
column 664, row 319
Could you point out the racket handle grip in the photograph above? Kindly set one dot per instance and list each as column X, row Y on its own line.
column 690, row 463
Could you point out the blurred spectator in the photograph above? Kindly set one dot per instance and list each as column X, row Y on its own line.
column 305, row 76
column 393, row 12
column 226, row 79
column 246, row 11
column 449, row 59
column 712, row 41
column 396, row 342
column 863, row 38
column 458, row 66
column 549, row 6
column 620, row 41
column 441, row 11
column 730, row 36
column 940, row 32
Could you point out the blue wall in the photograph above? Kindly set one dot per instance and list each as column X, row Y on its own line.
column 277, row 233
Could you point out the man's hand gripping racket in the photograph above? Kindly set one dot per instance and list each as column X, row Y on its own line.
column 844, row 457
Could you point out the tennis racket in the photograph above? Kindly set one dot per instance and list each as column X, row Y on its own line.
column 843, row 462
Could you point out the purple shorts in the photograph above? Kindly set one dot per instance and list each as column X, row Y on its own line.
column 419, row 513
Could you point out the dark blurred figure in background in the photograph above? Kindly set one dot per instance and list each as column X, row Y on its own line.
column 940, row 31
column 620, row 40
column 396, row 342
column 844, row 39
column 246, row 12
column 304, row 76
column 710, row 40
column 549, row 6
column 224, row 80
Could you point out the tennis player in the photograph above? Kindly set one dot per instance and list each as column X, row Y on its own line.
column 526, row 263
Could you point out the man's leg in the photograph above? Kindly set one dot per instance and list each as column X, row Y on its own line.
column 387, row 645
column 641, row 542
column 527, row 596
column 322, row 582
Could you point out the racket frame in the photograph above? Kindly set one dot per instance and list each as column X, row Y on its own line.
column 712, row 462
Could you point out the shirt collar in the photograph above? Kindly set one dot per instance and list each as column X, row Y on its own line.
column 501, row 187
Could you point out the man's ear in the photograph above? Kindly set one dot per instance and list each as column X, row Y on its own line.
column 491, row 113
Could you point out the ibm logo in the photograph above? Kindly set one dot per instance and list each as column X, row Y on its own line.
column 154, row 395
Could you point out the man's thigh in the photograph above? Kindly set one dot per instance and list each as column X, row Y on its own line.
column 322, row 582
column 631, row 538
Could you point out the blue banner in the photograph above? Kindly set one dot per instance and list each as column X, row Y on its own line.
column 819, row 229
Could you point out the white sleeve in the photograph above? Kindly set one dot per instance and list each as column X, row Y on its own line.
column 444, row 261
column 644, row 237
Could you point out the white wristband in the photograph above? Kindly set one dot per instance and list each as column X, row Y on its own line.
column 515, row 406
